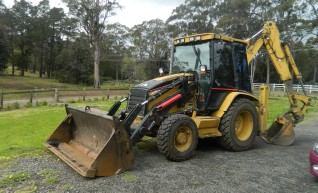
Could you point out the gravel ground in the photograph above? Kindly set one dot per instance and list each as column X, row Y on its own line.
column 265, row 168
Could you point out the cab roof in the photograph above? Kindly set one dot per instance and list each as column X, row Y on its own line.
column 206, row 36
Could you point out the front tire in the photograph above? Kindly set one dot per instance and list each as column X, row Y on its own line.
column 239, row 125
column 177, row 137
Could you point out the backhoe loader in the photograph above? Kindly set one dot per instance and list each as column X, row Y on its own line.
column 206, row 93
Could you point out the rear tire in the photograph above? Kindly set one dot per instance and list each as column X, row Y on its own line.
column 239, row 125
column 177, row 137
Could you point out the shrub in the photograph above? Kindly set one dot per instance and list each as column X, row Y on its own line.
column 79, row 99
column 41, row 103
column 28, row 105
column 8, row 106
column 72, row 101
column 44, row 103
column 16, row 105
column 96, row 99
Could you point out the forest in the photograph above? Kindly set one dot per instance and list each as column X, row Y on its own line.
column 81, row 47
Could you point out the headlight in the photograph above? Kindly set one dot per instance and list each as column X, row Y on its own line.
column 315, row 148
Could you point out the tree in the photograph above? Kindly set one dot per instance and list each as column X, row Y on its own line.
column 4, row 52
column 73, row 63
column 93, row 15
column 115, row 44
column 193, row 16
column 42, row 25
column 4, row 49
column 56, row 18
column 149, row 39
column 21, row 18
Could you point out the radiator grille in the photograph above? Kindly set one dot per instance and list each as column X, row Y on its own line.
column 137, row 96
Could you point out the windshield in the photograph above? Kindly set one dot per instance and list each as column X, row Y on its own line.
column 190, row 57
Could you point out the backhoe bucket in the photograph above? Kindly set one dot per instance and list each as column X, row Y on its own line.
column 281, row 132
column 92, row 143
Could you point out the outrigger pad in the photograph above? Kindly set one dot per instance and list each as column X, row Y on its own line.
column 92, row 143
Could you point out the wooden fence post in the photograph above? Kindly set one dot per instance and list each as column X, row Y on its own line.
column 31, row 96
column 56, row 95
column 1, row 100
column 107, row 93
column 84, row 94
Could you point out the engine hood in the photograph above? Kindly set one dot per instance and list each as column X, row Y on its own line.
column 160, row 81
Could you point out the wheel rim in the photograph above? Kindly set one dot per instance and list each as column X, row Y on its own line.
column 243, row 125
column 183, row 139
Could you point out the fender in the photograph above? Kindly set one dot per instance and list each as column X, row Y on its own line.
column 229, row 100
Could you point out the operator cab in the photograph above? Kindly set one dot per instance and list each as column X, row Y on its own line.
column 221, row 67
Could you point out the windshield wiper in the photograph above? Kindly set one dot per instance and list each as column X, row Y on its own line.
column 198, row 60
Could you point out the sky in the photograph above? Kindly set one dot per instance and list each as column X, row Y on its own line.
column 134, row 11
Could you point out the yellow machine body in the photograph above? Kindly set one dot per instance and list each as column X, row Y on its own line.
column 98, row 143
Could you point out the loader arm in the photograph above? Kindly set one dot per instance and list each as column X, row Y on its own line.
column 280, row 56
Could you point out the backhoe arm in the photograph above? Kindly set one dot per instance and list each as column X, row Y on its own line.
column 280, row 56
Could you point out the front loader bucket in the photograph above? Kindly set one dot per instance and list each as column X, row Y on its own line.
column 281, row 132
column 92, row 143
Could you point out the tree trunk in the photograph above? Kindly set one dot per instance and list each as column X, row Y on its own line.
column 34, row 63
column 96, row 64
column 42, row 52
column 41, row 60
column 116, row 70
column 12, row 55
column 315, row 72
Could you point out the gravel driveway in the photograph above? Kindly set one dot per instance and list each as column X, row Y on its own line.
column 265, row 168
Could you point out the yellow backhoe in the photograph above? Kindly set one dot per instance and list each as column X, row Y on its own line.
column 206, row 93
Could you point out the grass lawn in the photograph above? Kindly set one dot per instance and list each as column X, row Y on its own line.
column 23, row 131
column 33, row 81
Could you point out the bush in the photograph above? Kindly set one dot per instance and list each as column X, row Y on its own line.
column 96, row 99
column 16, row 105
column 103, row 98
column 79, row 99
column 41, row 103
column 72, row 101
column 28, row 105
column 44, row 103
column 8, row 106
column 105, row 79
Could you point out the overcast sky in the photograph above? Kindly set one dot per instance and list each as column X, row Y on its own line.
column 133, row 12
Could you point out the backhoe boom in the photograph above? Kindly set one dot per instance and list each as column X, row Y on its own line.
column 282, row 59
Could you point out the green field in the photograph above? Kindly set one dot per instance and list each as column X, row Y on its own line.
column 23, row 131
column 32, row 81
